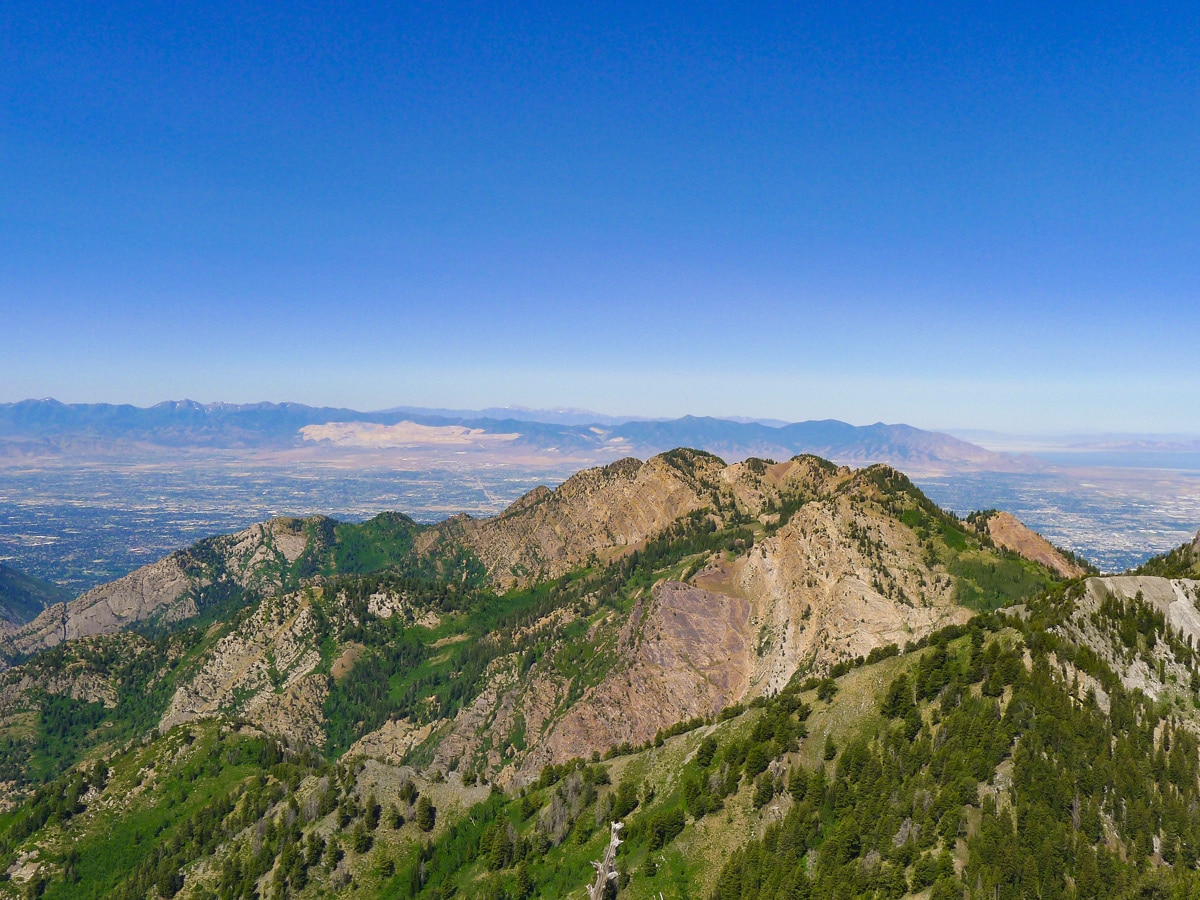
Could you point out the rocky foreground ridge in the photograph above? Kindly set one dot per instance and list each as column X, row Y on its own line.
column 683, row 586
column 797, row 669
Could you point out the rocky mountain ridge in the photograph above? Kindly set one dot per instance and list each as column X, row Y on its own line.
column 755, row 573
column 258, row 558
column 718, row 655
column 219, row 575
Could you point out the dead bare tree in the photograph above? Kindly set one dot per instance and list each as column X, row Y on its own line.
column 606, row 869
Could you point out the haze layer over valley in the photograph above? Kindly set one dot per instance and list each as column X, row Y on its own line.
column 88, row 493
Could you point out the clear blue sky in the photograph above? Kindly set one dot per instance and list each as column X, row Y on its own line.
column 980, row 217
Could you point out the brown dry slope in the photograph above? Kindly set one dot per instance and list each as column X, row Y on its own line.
column 1009, row 533
column 601, row 511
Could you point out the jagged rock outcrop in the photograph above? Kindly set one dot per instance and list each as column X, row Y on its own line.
column 268, row 670
column 262, row 672
column 598, row 511
column 157, row 588
column 76, row 680
column 392, row 742
column 837, row 581
column 597, row 514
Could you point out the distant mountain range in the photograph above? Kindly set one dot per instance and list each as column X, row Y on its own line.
column 560, row 416
column 34, row 427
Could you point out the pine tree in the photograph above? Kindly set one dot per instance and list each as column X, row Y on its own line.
column 426, row 814
column 524, row 883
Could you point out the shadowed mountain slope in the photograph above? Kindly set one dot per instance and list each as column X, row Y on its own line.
column 23, row 597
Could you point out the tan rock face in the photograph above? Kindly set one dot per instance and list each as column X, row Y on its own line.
column 1009, row 533
column 609, row 511
column 843, row 577
column 296, row 712
column 488, row 719
column 598, row 511
column 108, row 608
column 684, row 653
column 838, row 581
column 268, row 671
column 834, row 583
column 392, row 742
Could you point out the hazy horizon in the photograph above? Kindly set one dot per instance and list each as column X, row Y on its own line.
column 1010, row 441
column 1002, row 441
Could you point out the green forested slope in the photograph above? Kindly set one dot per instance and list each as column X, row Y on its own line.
column 1182, row 562
column 977, row 765
column 983, row 772
column 1000, row 758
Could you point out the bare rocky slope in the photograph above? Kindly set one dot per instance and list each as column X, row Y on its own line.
column 607, row 512
column 815, row 564
column 598, row 512
column 1009, row 533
